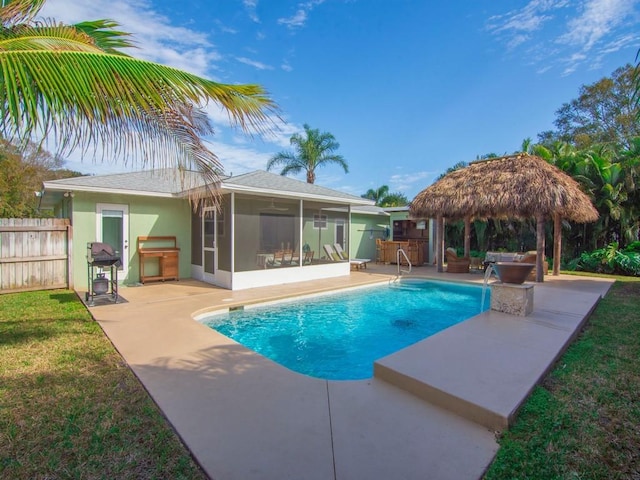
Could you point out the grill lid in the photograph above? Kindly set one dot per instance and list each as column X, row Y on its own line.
column 102, row 254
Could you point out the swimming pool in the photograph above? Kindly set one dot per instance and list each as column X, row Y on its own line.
column 339, row 336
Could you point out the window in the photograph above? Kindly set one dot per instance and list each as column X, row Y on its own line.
column 319, row 221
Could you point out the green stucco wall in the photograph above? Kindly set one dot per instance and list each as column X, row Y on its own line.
column 147, row 216
column 364, row 231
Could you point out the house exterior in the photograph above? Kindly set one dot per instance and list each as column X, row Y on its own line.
column 261, row 213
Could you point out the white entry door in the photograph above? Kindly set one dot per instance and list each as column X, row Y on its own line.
column 209, row 244
column 112, row 227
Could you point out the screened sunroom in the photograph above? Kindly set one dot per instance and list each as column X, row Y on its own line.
column 272, row 230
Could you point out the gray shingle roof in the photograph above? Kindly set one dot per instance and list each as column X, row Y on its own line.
column 370, row 209
column 164, row 181
column 270, row 183
column 167, row 183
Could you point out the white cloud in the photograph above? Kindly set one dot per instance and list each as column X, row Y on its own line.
column 156, row 38
column 251, row 6
column 528, row 19
column 299, row 18
column 619, row 43
column 404, row 182
column 584, row 25
column 225, row 29
column 237, row 159
column 296, row 20
column 598, row 19
column 254, row 63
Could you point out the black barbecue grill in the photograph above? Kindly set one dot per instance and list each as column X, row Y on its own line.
column 102, row 259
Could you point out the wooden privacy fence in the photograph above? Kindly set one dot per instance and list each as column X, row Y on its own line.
column 35, row 254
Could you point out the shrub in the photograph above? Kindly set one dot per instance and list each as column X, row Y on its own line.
column 633, row 247
column 608, row 260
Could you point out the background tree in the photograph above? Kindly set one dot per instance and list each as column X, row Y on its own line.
column 376, row 194
column 22, row 174
column 73, row 85
column 383, row 198
column 604, row 112
column 457, row 166
column 312, row 150
column 395, row 199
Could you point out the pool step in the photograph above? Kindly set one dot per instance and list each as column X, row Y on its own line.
column 406, row 288
column 484, row 368
column 440, row 397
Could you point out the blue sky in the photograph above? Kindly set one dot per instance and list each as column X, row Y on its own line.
column 408, row 88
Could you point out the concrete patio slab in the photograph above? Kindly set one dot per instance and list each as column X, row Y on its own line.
column 484, row 368
column 382, row 432
column 243, row 416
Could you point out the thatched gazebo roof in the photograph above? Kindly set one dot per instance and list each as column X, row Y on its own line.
column 514, row 186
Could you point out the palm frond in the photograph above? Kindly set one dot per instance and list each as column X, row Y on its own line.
column 13, row 12
column 292, row 168
column 338, row 159
column 105, row 36
column 46, row 37
column 71, row 93
column 280, row 158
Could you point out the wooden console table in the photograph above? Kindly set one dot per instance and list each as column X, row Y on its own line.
column 166, row 250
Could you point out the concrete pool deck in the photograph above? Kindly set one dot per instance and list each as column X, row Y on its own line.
column 430, row 411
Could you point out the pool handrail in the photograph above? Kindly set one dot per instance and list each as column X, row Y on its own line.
column 404, row 254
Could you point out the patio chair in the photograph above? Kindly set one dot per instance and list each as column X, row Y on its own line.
column 532, row 257
column 331, row 254
column 457, row 264
column 340, row 252
column 308, row 258
column 287, row 257
column 276, row 260
column 356, row 263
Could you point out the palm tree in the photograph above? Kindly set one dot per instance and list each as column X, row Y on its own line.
column 72, row 84
column 377, row 195
column 395, row 199
column 312, row 150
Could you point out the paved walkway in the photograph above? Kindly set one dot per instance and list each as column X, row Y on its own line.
column 245, row 417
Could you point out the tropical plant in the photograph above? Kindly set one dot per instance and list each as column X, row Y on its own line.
column 383, row 198
column 376, row 195
column 609, row 260
column 395, row 199
column 72, row 84
column 457, row 166
column 633, row 247
column 312, row 150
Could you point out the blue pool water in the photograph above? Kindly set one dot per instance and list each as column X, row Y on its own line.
column 339, row 336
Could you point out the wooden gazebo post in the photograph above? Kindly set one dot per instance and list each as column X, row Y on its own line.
column 467, row 236
column 439, row 243
column 539, row 247
column 557, row 243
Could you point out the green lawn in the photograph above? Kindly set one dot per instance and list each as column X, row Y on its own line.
column 583, row 421
column 69, row 405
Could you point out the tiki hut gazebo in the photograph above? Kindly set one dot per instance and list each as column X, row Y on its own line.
column 514, row 186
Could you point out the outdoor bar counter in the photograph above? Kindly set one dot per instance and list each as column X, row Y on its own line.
column 413, row 248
